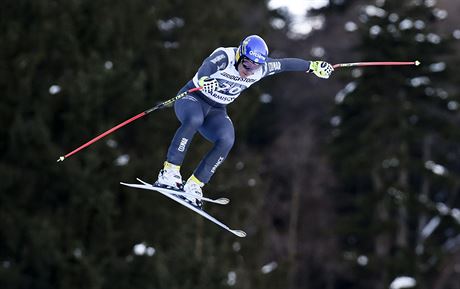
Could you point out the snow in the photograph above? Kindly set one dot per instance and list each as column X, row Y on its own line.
column 441, row 93
column 54, row 89
column 170, row 24
column 456, row 33
column 142, row 249
column 6, row 264
column 430, row 3
column 362, row 260
column 440, row 13
column 265, row 98
column 393, row 17
column 433, row 38
column 77, row 253
column 356, row 72
column 108, row 65
column 419, row 24
column 301, row 24
column 437, row 67
column 349, row 88
column 406, row 24
column 435, row 168
column 452, row 243
column 335, row 121
column 122, row 160
column 442, row 208
column 252, row 182
column 363, row 18
column 318, row 51
column 452, row 105
column 239, row 165
column 390, row 163
column 231, row 278
column 418, row 81
column 236, row 246
column 170, row 44
column 297, row 7
column 375, row 30
column 397, row 194
column 430, row 227
column 111, row 143
column 268, row 268
column 371, row 11
column 403, row 282
column 277, row 23
column 420, row 37
column 351, row 26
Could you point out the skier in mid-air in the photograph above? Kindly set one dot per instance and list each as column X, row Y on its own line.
column 223, row 76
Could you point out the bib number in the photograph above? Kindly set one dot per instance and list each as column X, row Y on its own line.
column 229, row 89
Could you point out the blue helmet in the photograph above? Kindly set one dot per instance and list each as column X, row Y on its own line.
column 254, row 48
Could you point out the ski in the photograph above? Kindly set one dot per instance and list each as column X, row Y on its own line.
column 172, row 194
column 148, row 186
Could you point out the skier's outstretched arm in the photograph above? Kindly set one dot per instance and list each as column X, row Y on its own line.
column 319, row 68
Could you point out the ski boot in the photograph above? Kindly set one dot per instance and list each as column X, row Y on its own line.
column 169, row 177
column 193, row 186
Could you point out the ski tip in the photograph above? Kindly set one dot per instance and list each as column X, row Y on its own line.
column 223, row 201
column 60, row 159
column 143, row 182
column 239, row 233
column 417, row 63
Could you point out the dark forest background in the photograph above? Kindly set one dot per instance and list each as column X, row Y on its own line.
column 342, row 183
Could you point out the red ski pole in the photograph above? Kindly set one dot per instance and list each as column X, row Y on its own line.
column 385, row 63
column 158, row 106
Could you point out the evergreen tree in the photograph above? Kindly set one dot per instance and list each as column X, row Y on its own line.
column 71, row 70
column 393, row 128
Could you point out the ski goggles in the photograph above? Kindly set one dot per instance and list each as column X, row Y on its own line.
column 249, row 65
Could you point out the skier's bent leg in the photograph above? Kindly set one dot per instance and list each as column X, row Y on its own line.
column 190, row 114
column 219, row 130
column 213, row 160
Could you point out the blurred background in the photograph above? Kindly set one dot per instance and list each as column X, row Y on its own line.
column 350, row 182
